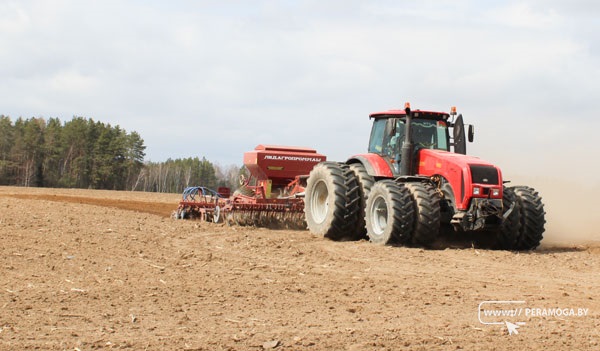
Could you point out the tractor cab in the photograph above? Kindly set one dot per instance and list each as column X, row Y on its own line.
column 388, row 134
column 428, row 130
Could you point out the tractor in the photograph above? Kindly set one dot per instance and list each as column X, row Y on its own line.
column 415, row 182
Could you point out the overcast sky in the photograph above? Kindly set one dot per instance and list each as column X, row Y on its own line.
column 216, row 78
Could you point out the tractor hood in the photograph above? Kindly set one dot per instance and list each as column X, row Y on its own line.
column 455, row 166
column 463, row 172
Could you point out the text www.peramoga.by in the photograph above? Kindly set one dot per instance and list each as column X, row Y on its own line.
column 537, row 312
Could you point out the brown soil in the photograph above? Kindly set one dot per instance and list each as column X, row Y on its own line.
column 83, row 269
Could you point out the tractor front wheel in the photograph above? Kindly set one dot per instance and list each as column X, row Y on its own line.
column 532, row 218
column 508, row 234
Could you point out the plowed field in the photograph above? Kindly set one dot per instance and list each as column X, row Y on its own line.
column 85, row 270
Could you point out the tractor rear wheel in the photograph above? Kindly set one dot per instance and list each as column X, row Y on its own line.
column 389, row 213
column 532, row 218
column 365, row 183
column 426, row 202
column 331, row 201
column 508, row 234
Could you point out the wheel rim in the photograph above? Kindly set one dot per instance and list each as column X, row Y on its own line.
column 319, row 204
column 379, row 214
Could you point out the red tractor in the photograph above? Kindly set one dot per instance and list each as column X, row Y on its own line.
column 415, row 182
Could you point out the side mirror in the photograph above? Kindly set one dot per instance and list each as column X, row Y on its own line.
column 460, row 145
column 471, row 132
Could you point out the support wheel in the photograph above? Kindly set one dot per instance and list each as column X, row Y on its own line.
column 331, row 201
column 217, row 218
column 532, row 218
column 389, row 213
column 426, row 203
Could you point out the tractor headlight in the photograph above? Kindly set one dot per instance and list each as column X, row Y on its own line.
column 495, row 192
column 476, row 191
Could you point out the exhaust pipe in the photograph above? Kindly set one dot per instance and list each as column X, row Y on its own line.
column 406, row 153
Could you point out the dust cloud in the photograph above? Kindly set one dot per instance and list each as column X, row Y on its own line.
column 571, row 215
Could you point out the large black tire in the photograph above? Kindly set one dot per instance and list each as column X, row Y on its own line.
column 389, row 213
column 532, row 218
column 508, row 234
column 365, row 183
column 426, row 202
column 331, row 201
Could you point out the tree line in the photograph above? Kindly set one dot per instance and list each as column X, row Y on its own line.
column 173, row 176
column 83, row 153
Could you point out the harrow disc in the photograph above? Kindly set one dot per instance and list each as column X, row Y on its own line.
column 272, row 219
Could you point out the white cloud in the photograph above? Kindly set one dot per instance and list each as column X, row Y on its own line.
column 13, row 19
column 216, row 78
column 523, row 15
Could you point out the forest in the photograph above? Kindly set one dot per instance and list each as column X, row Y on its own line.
column 83, row 153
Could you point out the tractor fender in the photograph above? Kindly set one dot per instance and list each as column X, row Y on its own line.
column 374, row 164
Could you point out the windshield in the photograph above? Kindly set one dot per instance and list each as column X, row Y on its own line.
column 427, row 134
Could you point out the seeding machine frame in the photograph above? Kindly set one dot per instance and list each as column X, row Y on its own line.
column 272, row 196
